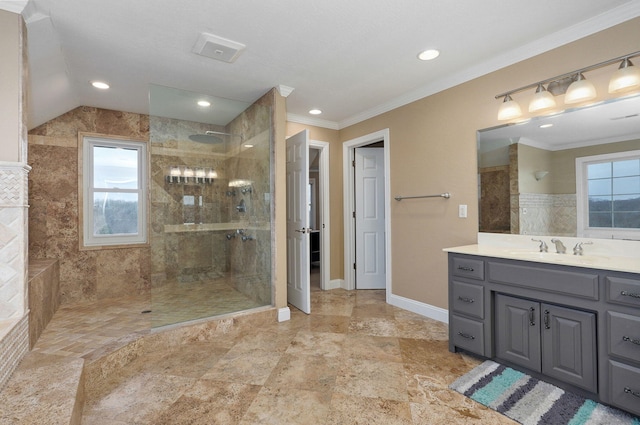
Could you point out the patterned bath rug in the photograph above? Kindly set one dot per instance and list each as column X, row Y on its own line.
column 530, row 401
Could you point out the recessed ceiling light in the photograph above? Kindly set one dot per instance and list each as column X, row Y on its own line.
column 315, row 112
column 248, row 145
column 204, row 103
column 546, row 125
column 100, row 85
column 428, row 55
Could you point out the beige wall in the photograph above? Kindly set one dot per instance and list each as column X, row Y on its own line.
column 11, row 101
column 530, row 160
column 433, row 149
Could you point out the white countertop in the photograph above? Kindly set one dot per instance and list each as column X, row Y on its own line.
column 621, row 256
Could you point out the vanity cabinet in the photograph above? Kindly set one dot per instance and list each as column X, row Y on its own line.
column 576, row 327
column 558, row 342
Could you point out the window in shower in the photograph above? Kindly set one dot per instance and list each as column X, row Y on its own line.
column 114, row 192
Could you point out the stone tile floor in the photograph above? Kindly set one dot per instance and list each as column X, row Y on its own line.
column 354, row 360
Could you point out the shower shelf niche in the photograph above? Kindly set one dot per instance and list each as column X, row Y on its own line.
column 211, row 227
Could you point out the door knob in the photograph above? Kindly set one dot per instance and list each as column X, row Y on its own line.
column 303, row 230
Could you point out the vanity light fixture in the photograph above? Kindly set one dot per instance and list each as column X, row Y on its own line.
column 509, row 109
column 574, row 85
column 541, row 100
column 626, row 78
column 580, row 90
column 100, row 85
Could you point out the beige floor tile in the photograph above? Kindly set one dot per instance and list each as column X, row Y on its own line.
column 354, row 410
column 317, row 343
column 380, row 348
column 290, row 406
column 209, row 402
column 312, row 373
column 246, row 367
column 375, row 379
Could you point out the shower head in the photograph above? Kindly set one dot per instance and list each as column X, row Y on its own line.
column 210, row 137
column 205, row 138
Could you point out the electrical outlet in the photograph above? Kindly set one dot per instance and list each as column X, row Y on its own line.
column 462, row 211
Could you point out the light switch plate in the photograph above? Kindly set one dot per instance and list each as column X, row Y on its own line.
column 462, row 211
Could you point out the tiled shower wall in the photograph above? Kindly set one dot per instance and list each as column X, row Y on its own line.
column 53, row 213
column 547, row 214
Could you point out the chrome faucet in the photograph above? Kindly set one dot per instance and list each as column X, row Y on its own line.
column 543, row 245
column 560, row 248
column 578, row 250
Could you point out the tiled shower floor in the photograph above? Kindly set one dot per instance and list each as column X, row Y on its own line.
column 80, row 328
column 182, row 302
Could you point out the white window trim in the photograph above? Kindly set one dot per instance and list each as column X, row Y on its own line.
column 582, row 198
column 88, row 240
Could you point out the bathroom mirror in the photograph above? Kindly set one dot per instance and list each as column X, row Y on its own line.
column 527, row 171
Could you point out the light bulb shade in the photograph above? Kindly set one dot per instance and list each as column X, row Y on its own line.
column 541, row 100
column 580, row 90
column 626, row 78
column 509, row 109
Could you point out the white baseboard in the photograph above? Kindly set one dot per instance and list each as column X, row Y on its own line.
column 284, row 314
column 427, row 310
column 335, row 284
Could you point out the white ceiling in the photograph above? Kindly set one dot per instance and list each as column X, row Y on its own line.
column 352, row 59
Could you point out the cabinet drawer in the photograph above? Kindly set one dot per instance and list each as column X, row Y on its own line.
column 466, row 267
column 624, row 386
column 583, row 285
column 468, row 334
column 624, row 335
column 468, row 299
column 623, row 291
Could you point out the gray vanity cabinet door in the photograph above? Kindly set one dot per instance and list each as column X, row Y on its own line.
column 517, row 331
column 569, row 345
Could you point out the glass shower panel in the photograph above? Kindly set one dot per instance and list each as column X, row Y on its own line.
column 210, row 207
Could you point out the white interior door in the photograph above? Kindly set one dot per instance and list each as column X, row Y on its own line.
column 369, row 203
column 298, row 258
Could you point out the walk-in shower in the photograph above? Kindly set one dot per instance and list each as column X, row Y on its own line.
column 210, row 209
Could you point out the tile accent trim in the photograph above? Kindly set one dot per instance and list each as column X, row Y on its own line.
column 13, row 346
column 13, row 184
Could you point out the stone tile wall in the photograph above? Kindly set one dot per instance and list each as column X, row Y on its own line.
column 54, row 210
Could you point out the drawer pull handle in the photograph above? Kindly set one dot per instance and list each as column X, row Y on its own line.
column 468, row 269
column 631, row 340
column 532, row 317
column 546, row 320
column 467, row 336
column 630, row 294
column 466, row 300
column 630, row 391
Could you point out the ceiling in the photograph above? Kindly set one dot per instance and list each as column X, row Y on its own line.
column 351, row 59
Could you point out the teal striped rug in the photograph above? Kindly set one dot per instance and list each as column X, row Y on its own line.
column 530, row 401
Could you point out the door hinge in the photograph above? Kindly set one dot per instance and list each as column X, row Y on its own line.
column 354, row 266
column 353, row 214
column 353, row 163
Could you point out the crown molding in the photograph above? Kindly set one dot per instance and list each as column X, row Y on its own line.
column 301, row 119
column 13, row 6
column 575, row 32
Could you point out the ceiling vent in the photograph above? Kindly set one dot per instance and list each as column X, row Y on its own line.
column 218, row 48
